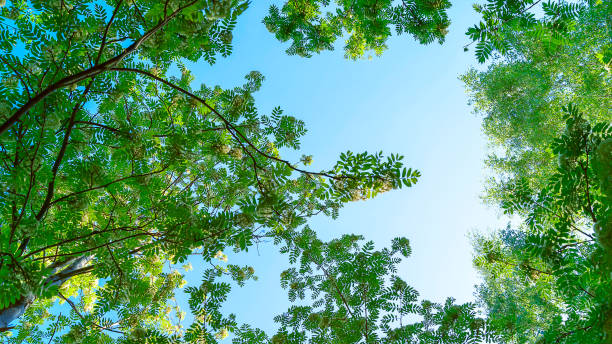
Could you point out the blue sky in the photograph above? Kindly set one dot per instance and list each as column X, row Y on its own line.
column 408, row 101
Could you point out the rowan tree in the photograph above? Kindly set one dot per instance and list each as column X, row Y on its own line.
column 112, row 166
column 548, row 279
column 547, row 114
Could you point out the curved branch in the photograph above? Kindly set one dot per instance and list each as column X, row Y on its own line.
column 104, row 37
column 106, row 185
column 60, row 155
column 231, row 128
column 75, row 309
column 99, row 125
column 88, row 73
column 98, row 246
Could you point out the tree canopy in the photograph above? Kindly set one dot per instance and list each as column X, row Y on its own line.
column 546, row 277
column 114, row 166
column 314, row 26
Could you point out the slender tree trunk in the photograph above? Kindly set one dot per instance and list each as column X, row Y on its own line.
column 61, row 272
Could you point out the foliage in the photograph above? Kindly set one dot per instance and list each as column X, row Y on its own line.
column 546, row 278
column 521, row 96
column 148, row 179
column 549, row 281
column 503, row 20
column 114, row 167
column 313, row 26
column 358, row 298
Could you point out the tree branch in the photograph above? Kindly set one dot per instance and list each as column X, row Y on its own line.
column 75, row 309
column 106, row 185
column 587, row 186
column 105, row 35
column 231, row 128
column 60, row 155
column 88, row 73
column 98, row 246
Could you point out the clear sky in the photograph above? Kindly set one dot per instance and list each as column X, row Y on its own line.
column 408, row 101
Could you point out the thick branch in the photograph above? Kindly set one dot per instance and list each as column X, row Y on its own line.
column 60, row 156
column 69, row 268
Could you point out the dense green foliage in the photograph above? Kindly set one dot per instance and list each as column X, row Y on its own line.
column 356, row 297
column 522, row 94
column 547, row 112
column 115, row 171
column 504, row 20
column 112, row 168
column 549, row 279
column 314, row 26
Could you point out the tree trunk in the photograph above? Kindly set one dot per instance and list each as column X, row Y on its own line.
column 61, row 272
